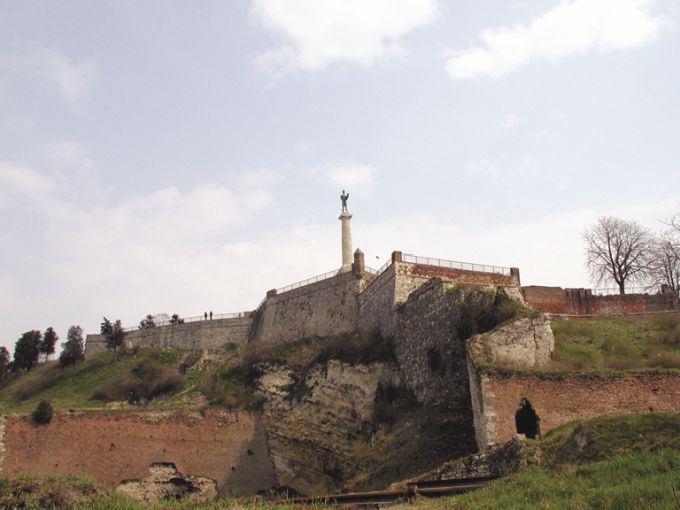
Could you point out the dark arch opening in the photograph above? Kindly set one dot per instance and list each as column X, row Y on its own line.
column 527, row 421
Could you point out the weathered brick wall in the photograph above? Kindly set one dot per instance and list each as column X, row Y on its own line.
column 208, row 334
column 582, row 302
column 229, row 448
column 325, row 308
column 559, row 399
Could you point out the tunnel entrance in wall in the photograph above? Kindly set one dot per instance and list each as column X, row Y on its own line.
column 527, row 421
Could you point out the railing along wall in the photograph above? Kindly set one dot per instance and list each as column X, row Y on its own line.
column 454, row 264
column 614, row 291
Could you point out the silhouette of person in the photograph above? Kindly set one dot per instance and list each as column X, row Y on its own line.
column 210, row 314
column 527, row 421
column 205, row 315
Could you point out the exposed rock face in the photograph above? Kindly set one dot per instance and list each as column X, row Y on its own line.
column 165, row 482
column 313, row 423
column 524, row 343
column 499, row 461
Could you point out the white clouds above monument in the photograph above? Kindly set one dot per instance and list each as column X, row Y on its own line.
column 572, row 27
column 351, row 175
column 317, row 34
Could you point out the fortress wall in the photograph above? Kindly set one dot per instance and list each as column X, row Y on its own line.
column 208, row 334
column 582, row 302
column 394, row 286
column 559, row 399
column 430, row 354
column 376, row 304
column 229, row 448
column 324, row 308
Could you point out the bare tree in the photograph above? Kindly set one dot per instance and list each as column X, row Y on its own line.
column 618, row 250
column 665, row 265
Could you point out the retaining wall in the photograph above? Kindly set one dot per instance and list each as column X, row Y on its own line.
column 559, row 399
column 582, row 302
column 229, row 448
column 324, row 308
column 207, row 334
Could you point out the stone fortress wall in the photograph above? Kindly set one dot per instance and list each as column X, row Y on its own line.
column 354, row 300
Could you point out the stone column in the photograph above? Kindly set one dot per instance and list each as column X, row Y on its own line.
column 346, row 242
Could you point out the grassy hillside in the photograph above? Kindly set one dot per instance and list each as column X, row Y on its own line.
column 626, row 462
column 616, row 344
column 133, row 376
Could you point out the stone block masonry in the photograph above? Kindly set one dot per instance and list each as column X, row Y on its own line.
column 324, row 308
column 207, row 334
column 229, row 448
column 560, row 399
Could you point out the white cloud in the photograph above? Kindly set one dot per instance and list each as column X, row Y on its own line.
column 318, row 33
column 69, row 154
column 350, row 175
column 73, row 79
column 571, row 27
column 508, row 122
column 21, row 180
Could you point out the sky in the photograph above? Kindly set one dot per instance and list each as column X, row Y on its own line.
column 179, row 157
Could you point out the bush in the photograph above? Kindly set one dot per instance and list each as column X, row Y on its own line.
column 482, row 311
column 36, row 385
column 189, row 361
column 43, row 413
column 147, row 380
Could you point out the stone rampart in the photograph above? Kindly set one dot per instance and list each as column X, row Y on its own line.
column 206, row 334
column 559, row 399
column 557, row 300
column 430, row 354
column 324, row 308
column 229, row 448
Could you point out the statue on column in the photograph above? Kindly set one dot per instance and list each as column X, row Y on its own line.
column 344, row 198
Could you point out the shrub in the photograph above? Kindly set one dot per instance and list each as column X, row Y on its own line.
column 147, row 380
column 36, row 385
column 482, row 311
column 43, row 413
column 189, row 361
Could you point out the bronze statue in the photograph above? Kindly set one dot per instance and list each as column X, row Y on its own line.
column 344, row 198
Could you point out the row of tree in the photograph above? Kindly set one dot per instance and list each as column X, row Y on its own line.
column 33, row 346
column 625, row 252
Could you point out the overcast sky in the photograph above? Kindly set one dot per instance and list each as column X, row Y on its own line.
column 167, row 156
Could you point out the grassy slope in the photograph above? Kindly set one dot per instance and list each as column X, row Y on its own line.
column 616, row 344
column 626, row 462
column 71, row 389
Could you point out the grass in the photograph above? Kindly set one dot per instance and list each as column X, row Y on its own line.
column 81, row 493
column 67, row 388
column 626, row 462
column 617, row 344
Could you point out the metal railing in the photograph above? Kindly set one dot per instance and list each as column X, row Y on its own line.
column 302, row 283
column 453, row 264
column 614, row 291
column 185, row 320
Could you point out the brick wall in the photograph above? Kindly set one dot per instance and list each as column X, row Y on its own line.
column 112, row 447
column 325, row 308
column 208, row 334
column 559, row 399
column 581, row 301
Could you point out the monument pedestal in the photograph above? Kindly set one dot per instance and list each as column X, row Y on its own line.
column 346, row 242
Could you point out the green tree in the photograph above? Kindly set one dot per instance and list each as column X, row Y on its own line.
column 26, row 350
column 4, row 363
column 48, row 343
column 113, row 335
column 43, row 413
column 147, row 322
column 73, row 349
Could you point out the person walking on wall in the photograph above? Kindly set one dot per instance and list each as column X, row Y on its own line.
column 210, row 314
column 205, row 315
